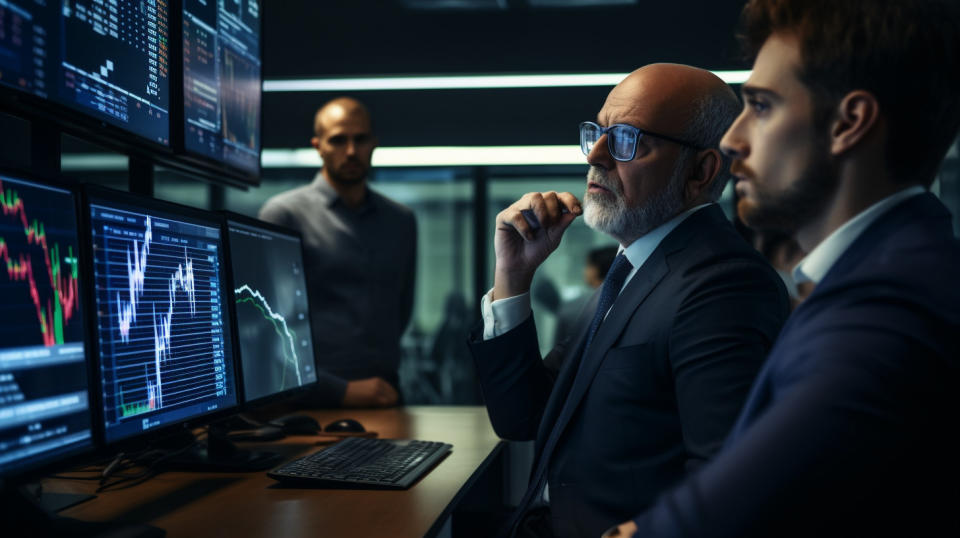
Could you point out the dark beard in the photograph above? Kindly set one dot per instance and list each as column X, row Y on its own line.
column 347, row 179
column 799, row 204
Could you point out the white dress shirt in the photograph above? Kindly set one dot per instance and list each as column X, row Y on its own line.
column 818, row 262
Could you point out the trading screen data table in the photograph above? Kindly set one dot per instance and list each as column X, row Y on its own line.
column 121, row 71
column 109, row 59
column 160, row 320
column 221, row 80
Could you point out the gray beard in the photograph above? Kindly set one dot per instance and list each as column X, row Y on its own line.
column 610, row 214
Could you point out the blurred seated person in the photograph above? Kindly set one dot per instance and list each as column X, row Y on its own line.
column 359, row 254
column 784, row 253
column 599, row 261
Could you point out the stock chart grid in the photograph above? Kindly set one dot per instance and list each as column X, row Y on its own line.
column 161, row 325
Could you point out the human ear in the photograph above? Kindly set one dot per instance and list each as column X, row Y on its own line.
column 857, row 115
column 704, row 171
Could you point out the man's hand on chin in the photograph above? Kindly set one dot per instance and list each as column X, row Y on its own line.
column 624, row 530
column 526, row 233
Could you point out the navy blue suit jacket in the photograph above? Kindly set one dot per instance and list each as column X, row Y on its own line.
column 850, row 428
column 660, row 386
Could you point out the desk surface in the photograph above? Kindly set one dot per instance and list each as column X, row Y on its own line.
column 251, row 504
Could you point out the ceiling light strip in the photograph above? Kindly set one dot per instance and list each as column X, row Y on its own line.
column 437, row 156
column 464, row 82
column 398, row 157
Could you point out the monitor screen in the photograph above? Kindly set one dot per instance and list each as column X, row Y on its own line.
column 44, row 396
column 114, row 63
column 162, row 326
column 26, row 28
column 106, row 58
column 221, row 81
column 273, row 321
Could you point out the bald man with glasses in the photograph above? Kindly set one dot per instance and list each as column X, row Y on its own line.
column 647, row 387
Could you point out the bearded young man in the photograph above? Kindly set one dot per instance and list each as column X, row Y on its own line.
column 647, row 387
column 848, row 113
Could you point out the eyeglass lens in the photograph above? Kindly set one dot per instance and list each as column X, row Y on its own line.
column 621, row 140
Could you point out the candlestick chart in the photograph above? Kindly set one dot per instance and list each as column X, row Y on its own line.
column 44, row 397
column 38, row 250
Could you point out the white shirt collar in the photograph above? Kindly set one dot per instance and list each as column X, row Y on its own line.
column 814, row 267
column 641, row 249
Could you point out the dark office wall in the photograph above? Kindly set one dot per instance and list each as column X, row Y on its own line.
column 304, row 38
column 341, row 37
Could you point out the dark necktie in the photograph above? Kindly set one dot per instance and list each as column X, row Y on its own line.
column 608, row 294
column 612, row 284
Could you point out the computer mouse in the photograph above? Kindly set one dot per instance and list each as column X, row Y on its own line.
column 344, row 425
column 297, row 424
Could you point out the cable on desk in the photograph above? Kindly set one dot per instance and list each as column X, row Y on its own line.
column 147, row 473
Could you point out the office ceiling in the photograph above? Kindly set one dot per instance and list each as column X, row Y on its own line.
column 307, row 39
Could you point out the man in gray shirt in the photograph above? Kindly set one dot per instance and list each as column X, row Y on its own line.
column 360, row 255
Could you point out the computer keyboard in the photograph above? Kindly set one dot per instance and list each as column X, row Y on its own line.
column 364, row 463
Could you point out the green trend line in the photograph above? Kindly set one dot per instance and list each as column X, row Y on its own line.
column 279, row 325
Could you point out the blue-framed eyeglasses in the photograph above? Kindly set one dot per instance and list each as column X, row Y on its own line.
column 621, row 139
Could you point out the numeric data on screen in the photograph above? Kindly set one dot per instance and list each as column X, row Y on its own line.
column 108, row 59
column 44, row 399
column 161, row 323
column 221, row 80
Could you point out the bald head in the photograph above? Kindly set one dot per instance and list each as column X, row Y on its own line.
column 669, row 97
column 345, row 140
column 338, row 110
column 677, row 165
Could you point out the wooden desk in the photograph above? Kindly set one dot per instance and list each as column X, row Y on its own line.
column 251, row 504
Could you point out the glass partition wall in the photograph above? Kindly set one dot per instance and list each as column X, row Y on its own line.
column 455, row 209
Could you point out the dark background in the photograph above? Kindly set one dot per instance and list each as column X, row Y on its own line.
column 307, row 38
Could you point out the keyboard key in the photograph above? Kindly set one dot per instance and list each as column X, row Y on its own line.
column 364, row 463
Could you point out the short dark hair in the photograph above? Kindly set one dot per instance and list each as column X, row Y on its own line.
column 906, row 53
column 602, row 258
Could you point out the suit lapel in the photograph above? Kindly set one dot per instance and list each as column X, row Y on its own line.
column 637, row 290
column 567, row 374
column 563, row 402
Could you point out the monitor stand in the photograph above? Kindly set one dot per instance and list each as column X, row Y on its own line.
column 242, row 428
column 218, row 453
column 24, row 511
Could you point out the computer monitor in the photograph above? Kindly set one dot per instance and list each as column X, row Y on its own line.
column 114, row 63
column 26, row 62
column 164, row 351
column 269, row 294
column 222, row 82
column 108, row 60
column 45, row 410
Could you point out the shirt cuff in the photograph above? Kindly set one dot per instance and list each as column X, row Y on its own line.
column 502, row 315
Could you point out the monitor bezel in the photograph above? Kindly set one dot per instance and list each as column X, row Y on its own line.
column 98, row 193
column 178, row 123
column 263, row 401
column 39, row 468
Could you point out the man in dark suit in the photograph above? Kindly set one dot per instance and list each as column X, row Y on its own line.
column 850, row 428
column 643, row 391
